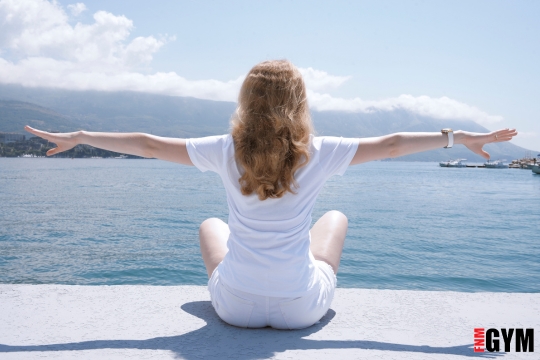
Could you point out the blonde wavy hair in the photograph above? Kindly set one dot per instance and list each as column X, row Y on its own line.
column 271, row 129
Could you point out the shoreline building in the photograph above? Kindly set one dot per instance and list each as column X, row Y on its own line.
column 6, row 138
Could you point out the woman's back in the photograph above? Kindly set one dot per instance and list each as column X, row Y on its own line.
column 269, row 239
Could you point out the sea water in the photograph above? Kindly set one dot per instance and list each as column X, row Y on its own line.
column 411, row 225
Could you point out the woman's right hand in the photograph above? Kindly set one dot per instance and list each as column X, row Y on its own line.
column 476, row 141
column 63, row 141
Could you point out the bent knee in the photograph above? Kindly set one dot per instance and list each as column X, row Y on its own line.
column 337, row 215
column 208, row 224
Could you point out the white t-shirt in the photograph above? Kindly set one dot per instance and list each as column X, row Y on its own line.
column 269, row 241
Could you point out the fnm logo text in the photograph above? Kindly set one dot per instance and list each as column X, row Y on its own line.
column 490, row 340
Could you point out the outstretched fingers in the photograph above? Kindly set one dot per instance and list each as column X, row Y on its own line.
column 34, row 131
column 478, row 141
column 63, row 141
column 503, row 135
column 42, row 134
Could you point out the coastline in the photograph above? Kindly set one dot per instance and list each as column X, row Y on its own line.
column 86, row 322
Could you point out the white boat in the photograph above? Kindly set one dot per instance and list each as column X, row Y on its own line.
column 453, row 163
column 526, row 162
column 536, row 169
column 497, row 164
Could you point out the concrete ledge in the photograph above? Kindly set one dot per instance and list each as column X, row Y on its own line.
column 155, row 322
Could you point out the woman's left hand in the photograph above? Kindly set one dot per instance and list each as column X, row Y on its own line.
column 63, row 141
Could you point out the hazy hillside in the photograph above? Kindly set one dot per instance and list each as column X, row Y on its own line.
column 130, row 111
column 65, row 110
column 15, row 114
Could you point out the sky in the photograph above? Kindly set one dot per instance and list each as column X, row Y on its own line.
column 473, row 60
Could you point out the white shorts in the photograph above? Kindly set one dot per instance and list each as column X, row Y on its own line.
column 243, row 309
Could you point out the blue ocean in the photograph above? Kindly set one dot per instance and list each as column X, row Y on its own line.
column 412, row 225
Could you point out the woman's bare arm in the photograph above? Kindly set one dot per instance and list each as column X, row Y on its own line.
column 400, row 144
column 140, row 144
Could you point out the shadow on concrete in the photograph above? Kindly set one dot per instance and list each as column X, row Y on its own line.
column 218, row 340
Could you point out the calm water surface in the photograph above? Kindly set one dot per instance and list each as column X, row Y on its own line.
column 411, row 225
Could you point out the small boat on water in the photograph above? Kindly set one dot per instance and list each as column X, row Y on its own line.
column 497, row 164
column 526, row 162
column 453, row 163
column 536, row 167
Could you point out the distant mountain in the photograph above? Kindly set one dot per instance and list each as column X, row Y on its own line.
column 65, row 110
column 15, row 114
column 129, row 111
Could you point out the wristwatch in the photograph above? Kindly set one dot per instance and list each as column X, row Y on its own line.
column 450, row 134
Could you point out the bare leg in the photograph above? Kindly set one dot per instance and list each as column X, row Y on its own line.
column 328, row 237
column 213, row 235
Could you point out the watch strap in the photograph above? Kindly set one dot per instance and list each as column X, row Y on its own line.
column 450, row 134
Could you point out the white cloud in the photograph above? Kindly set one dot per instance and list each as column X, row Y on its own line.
column 77, row 9
column 68, row 75
column 47, row 51
column 318, row 80
column 96, row 56
column 38, row 28
column 441, row 108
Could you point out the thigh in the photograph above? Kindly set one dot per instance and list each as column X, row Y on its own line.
column 327, row 238
column 213, row 235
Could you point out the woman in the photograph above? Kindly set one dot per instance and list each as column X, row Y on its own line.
column 266, row 267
